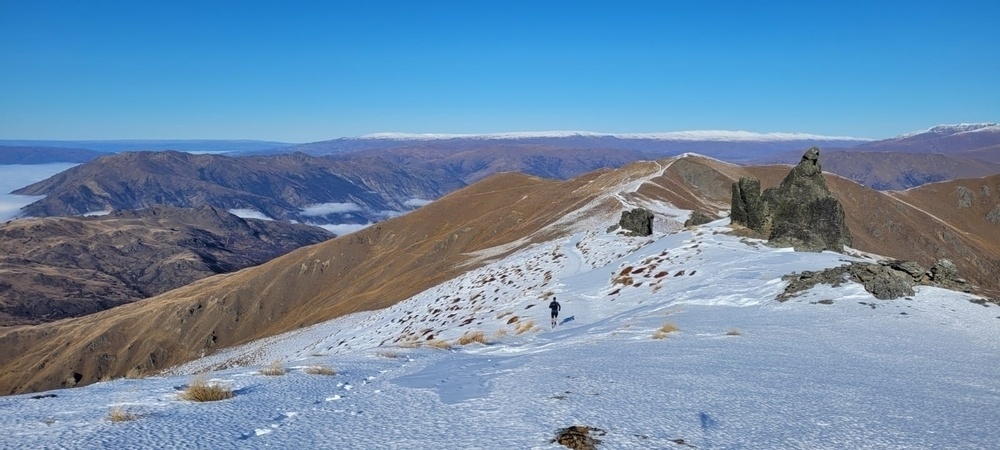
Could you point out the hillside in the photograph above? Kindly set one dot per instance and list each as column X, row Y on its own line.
column 56, row 268
column 384, row 264
column 696, row 352
column 280, row 187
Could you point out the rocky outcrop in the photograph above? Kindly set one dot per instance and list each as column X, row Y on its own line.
column 579, row 437
column 800, row 212
column 747, row 206
column 697, row 218
column 638, row 222
column 884, row 280
column 994, row 215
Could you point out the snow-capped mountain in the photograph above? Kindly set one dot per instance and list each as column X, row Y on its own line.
column 946, row 130
column 694, row 135
column 676, row 340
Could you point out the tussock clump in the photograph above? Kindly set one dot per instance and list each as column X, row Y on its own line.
column 439, row 344
column 387, row 354
column 501, row 332
column 734, row 332
column 199, row 390
column 471, row 337
column 272, row 370
column 666, row 329
column 524, row 327
column 513, row 320
column 135, row 373
column 118, row 413
column 320, row 370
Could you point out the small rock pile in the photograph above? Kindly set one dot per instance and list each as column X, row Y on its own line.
column 578, row 437
column 885, row 280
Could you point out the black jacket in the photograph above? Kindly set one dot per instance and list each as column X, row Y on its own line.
column 554, row 306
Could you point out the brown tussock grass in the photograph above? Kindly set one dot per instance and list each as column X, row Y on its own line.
column 387, row 354
column 501, row 332
column 665, row 330
column 524, row 327
column 272, row 370
column 135, row 373
column 199, row 390
column 118, row 413
column 734, row 332
column 320, row 370
column 472, row 337
column 439, row 344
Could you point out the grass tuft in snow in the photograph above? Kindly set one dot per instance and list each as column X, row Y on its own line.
column 199, row 390
column 320, row 370
column 524, row 327
column 500, row 333
column 439, row 344
column 734, row 332
column 118, row 413
column 272, row 370
column 665, row 330
column 472, row 337
column 392, row 354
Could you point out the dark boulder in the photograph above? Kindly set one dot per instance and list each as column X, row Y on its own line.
column 698, row 218
column 638, row 222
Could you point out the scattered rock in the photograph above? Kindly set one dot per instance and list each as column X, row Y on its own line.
column 994, row 215
column 698, row 218
column 639, row 222
column 578, row 437
column 965, row 197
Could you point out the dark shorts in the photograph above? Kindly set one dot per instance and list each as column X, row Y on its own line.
column 555, row 314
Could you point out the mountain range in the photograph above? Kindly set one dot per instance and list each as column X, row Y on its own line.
column 384, row 264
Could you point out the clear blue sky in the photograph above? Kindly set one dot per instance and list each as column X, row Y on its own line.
column 306, row 71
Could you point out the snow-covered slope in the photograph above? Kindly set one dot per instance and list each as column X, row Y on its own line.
column 833, row 368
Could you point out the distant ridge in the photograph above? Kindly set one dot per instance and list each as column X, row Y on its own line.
column 694, row 135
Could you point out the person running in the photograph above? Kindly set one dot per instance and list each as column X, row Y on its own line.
column 555, row 307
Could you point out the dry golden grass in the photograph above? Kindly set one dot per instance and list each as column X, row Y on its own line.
column 272, row 370
column 118, row 413
column 471, row 337
column 524, row 327
column 320, row 370
column 439, row 344
column 135, row 374
column 665, row 330
column 387, row 353
column 501, row 332
column 734, row 332
column 199, row 390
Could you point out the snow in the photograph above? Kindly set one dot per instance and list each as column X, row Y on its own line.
column 742, row 371
column 697, row 135
column 954, row 129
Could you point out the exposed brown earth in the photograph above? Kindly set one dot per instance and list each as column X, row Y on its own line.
column 56, row 268
column 384, row 264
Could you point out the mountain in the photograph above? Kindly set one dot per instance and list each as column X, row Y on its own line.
column 288, row 186
column 727, row 145
column 56, row 268
column 183, row 145
column 45, row 155
column 900, row 170
column 389, row 262
column 693, row 350
column 944, row 139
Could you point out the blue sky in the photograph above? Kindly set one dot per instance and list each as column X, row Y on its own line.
column 307, row 71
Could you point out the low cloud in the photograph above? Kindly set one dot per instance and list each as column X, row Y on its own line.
column 249, row 214
column 343, row 228
column 323, row 209
column 97, row 213
column 10, row 205
column 416, row 202
column 17, row 176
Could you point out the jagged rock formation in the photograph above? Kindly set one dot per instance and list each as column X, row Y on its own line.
column 885, row 280
column 638, row 222
column 579, row 437
column 800, row 212
column 697, row 218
